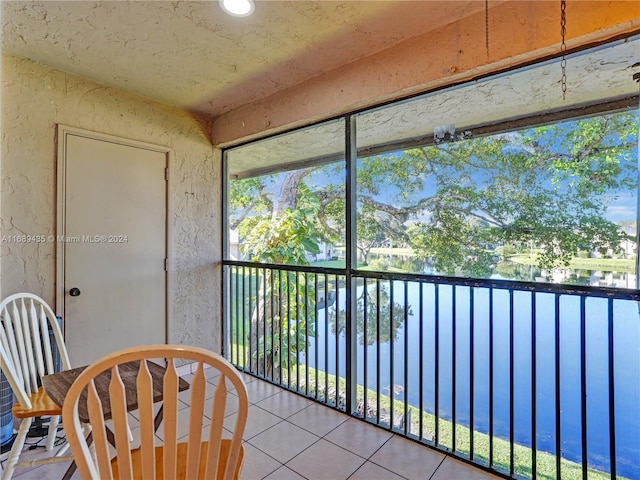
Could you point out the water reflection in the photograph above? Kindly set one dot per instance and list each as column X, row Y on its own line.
column 443, row 340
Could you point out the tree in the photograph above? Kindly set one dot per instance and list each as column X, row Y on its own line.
column 283, row 236
column 548, row 186
column 455, row 202
column 370, row 231
column 287, row 235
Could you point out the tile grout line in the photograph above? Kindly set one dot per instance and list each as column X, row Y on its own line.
column 283, row 418
column 364, row 460
column 368, row 459
column 380, row 448
column 439, row 465
column 323, row 437
column 282, row 464
column 299, row 453
column 320, row 438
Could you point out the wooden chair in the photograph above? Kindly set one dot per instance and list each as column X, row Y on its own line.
column 182, row 454
column 26, row 355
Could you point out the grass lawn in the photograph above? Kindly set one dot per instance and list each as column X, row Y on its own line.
column 331, row 264
column 387, row 251
column 608, row 264
column 407, row 252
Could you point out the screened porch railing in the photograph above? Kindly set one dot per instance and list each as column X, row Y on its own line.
column 526, row 380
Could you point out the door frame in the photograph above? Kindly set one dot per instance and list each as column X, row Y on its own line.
column 62, row 133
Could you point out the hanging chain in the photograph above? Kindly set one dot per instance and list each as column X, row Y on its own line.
column 563, row 46
column 636, row 77
column 486, row 25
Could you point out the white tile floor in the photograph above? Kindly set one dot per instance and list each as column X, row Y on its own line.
column 290, row 437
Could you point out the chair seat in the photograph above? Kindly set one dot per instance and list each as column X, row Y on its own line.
column 182, row 427
column 41, row 405
column 136, row 458
column 31, row 346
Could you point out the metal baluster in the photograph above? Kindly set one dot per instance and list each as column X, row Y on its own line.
column 288, row 330
column 612, row 404
column 583, row 385
column 337, row 378
column 491, row 399
column 263, row 301
column 297, row 332
column 534, row 433
column 391, row 353
column 306, row 332
column 437, row 363
column 365, row 320
column 471, row 372
column 251, row 271
column 244, row 332
column 511, row 389
column 421, row 361
column 281, row 305
column 326, row 347
column 377, row 351
column 326, row 309
column 453, row 369
column 273, row 317
column 557, row 386
column 406, row 358
column 234, row 306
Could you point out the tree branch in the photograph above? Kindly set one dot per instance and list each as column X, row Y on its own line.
column 263, row 196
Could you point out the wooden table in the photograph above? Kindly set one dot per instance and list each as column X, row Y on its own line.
column 57, row 385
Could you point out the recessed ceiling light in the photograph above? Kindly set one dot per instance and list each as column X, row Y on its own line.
column 238, row 8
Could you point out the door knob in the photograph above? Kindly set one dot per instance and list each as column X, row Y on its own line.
column 74, row 292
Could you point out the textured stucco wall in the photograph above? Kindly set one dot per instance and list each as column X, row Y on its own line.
column 36, row 98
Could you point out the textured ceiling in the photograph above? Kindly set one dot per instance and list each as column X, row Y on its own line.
column 192, row 55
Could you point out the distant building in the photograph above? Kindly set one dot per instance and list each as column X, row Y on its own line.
column 326, row 253
column 234, row 246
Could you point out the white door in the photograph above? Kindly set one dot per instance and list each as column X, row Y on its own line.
column 112, row 239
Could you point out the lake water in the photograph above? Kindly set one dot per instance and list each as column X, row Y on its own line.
column 626, row 361
column 508, row 270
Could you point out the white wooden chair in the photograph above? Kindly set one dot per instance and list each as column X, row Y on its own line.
column 25, row 356
column 182, row 454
